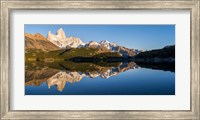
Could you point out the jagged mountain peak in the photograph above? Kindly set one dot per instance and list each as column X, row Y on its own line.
column 60, row 39
column 104, row 42
column 61, row 30
column 92, row 42
column 49, row 32
column 61, row 33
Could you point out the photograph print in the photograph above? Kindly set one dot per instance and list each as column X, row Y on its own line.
column 76, row 59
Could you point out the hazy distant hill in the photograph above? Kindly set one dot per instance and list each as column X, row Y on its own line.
column 37, row 41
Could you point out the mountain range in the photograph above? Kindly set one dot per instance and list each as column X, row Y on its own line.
column 61, row 41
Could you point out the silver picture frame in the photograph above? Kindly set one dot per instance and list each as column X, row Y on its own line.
column 8, row 5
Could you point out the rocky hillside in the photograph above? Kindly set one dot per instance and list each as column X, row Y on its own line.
column 37, row 41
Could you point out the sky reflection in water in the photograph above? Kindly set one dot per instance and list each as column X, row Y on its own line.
column 123, row 79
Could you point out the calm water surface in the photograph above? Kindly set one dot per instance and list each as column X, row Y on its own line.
column 98, row 79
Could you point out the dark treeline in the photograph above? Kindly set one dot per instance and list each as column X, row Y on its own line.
column 106, row 59
column 166, row 52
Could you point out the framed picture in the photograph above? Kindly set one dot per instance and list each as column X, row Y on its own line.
column 100, row 59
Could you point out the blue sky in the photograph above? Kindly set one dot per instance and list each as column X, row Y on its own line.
column 144, row 37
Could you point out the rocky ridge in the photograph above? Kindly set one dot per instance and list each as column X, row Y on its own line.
column 38, row 41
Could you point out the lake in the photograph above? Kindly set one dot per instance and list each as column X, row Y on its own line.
column 128, row 78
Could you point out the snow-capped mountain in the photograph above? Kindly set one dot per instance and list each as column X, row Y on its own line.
column 108, row 45
column 112, row 47
column 60, row 40
column 92, row 44
column 104, row 43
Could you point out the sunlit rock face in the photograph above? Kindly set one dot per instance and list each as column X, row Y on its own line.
column 92, row 44
column 102, row 44
column 60, row 39
column 38, row 41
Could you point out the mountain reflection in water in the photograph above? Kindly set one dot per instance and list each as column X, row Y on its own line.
column 60, row 73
